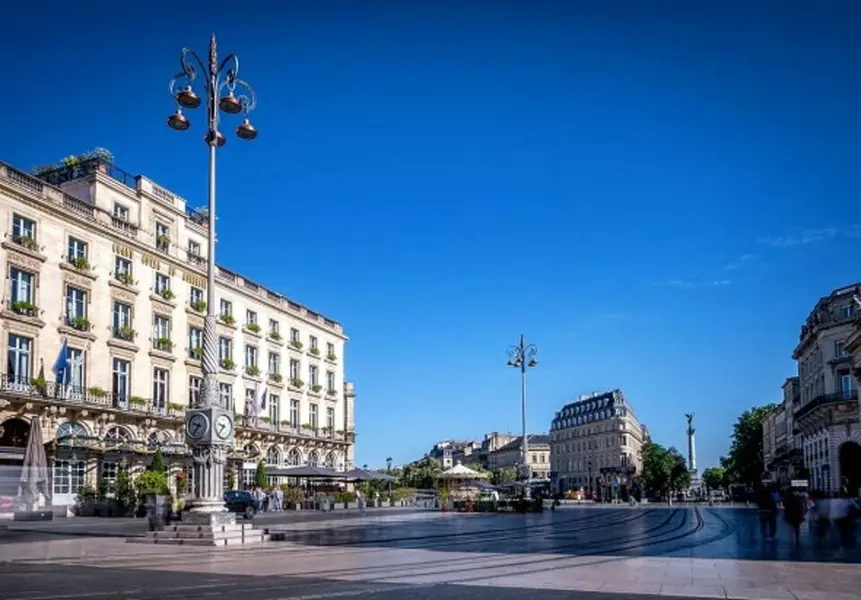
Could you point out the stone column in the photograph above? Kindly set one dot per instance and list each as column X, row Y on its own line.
column 692, row 447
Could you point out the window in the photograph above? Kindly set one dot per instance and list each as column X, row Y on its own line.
column 194, row 384
column 225, row 349
column 250, row 356
column 294, row 335
column 19, row 359
column 294, row 459
column 330, row 419
column 250, row 405
column 274, row 363
column 77, row 250
column 195, row 342
column 330, row 381
column 195, row 296
column 77, row 371
column 123, row 270
column 109, row 473
column 623, row 440
column 274, row 411
column 121, row 384
column 23, row 229
column 250, row 317
column 294, row 368
column 162, row 236
column 225, row 392
column 76, row 306
column 839, row 350
column 121, row 212
column 193, row 248
column 160, row 388
column 162, row 284
column 330, row 350
column 312, row 416
column 312, row 341
column 68, row 476
column 22, row 293
column 847, row 386
column 122, row 321
column 273, row 456
column 313, row 375
column 847, row 311
column 294, row 413
column 226, row 308
column 161, row 333
column 274, row 326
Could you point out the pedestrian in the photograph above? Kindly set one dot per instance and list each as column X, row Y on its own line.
column 279, row 498
column 793, row 513
column 767, row 513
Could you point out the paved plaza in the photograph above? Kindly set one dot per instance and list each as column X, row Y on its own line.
column 583, row 552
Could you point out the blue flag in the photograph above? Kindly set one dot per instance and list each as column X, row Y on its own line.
column 61, row 367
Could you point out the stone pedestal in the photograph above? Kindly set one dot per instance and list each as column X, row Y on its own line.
column 206, row 529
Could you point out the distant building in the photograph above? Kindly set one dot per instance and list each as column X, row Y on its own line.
column 450, row 452
column 596, row 443
column 825, row 418
column 509, row 455
column 492, row 442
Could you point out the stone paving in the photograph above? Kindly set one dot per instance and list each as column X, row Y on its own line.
column 627, row 553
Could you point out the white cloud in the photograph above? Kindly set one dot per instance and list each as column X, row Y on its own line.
column 809, row 236
column 741, row 262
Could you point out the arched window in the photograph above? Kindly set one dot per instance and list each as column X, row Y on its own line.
column 116, row 436
column 329, row 463
column 158, row 438
column 313, row 459
column 69, row 431
column 251, row 450
column 294, row 459
column 273, row 456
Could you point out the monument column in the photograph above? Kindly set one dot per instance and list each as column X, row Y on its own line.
column 692, row 448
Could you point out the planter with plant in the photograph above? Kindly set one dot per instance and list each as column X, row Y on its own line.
column 227, row 319
column 196, row 353
column 164, row 344
column 125, row 496
column 315, row 351
column 296, row 382
column 137, row 402
column 331, row 392
column 24, row 308
column 40, row 386
column 198, row 305
column 80, row 262
column 175, row 407
column 97, row 392
column 316, row 388
column 163, row 241
column 127, row 334
column 309, row 428
column 152, row 487
column 167, row 294
column 27, row 242
column 296, row 344
column 85, row 501
column 275, row 336
column 275, row 377
column 125, row 278
column 253, row 327
column 80, row 323
column 332, row 356
column 285, row 425
column 252, row 370
column 227, row 364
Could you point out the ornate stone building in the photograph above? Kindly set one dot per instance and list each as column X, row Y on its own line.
column 113, row 266
column 825, row 418
column 509, row 455
column 596, row 443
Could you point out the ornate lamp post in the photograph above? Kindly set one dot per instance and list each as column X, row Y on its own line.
column 522, row 357
column 209, row 429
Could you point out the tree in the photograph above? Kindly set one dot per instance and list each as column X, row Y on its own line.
column 420, row 474
column 260, row 479
column 664, row 469
column 744, row 463
column 157, row 464
column 504, row 475
column 714, row 478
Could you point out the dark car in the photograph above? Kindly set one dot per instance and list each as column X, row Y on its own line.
column 241, row 502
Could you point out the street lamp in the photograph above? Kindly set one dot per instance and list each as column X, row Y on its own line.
column 522, row 357
column 209, row 424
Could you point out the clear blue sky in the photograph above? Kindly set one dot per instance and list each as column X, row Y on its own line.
column 655, row 196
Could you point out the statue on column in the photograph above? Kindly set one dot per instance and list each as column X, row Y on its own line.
column 692, row 452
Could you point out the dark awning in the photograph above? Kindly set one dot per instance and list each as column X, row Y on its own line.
column 311, row 472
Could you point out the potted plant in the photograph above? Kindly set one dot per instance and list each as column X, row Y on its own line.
column 85, row 501
column 253, row 327
column 227, row 319
column 285, row 424
column 275, row 377
column 40, row 386
column 315, row 351
column 274, row 335
column 292, row 497
column 316, row 387
column 152, row 487
column 126, row 333
column 296, row 382
column 125, row 278
column 79, row 323
column 164, row 344
column 296, row 344
column 227, row 364
column 197, row 353
column 136, row 402
column 80, row 262
column 163, row 241
column 198, row 305
column 252, row 370
column 332, row 356
column 167, row 294
column 22, row 307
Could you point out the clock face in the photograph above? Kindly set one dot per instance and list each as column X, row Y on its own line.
column 197, row 426
column 223, row 427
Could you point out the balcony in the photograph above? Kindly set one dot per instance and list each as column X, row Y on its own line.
column 821, row 407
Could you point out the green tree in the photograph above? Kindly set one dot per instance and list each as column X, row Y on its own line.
column 714, row 478
column 231, row 480
column 664, row 469
column 124, row 491
column 420, row 474
column 744, row 463
column 260, row 479
column 680, row 475
column 157, row 464
column 504, row 475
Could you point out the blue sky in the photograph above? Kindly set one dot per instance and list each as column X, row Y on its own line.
column 655, row 196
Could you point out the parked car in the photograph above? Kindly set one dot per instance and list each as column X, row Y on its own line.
column 241, row 502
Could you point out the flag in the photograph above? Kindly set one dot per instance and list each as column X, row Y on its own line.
column 63, row 369
column 264, row 396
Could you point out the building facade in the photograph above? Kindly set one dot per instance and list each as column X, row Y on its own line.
column 825, row 419
column 509, row 455
column 492, row 442
column 783, row 460
column 114, row 267
column 451, row 452
column 595, row 443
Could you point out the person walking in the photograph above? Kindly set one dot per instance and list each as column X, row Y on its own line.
column 767, row 513
column 793, row 513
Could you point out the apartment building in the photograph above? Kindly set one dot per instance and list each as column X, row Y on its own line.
column 492, row 442
column 781, row 457
column 825, row 418
column 510, row 455
column 595, row 443
column 114, row 267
